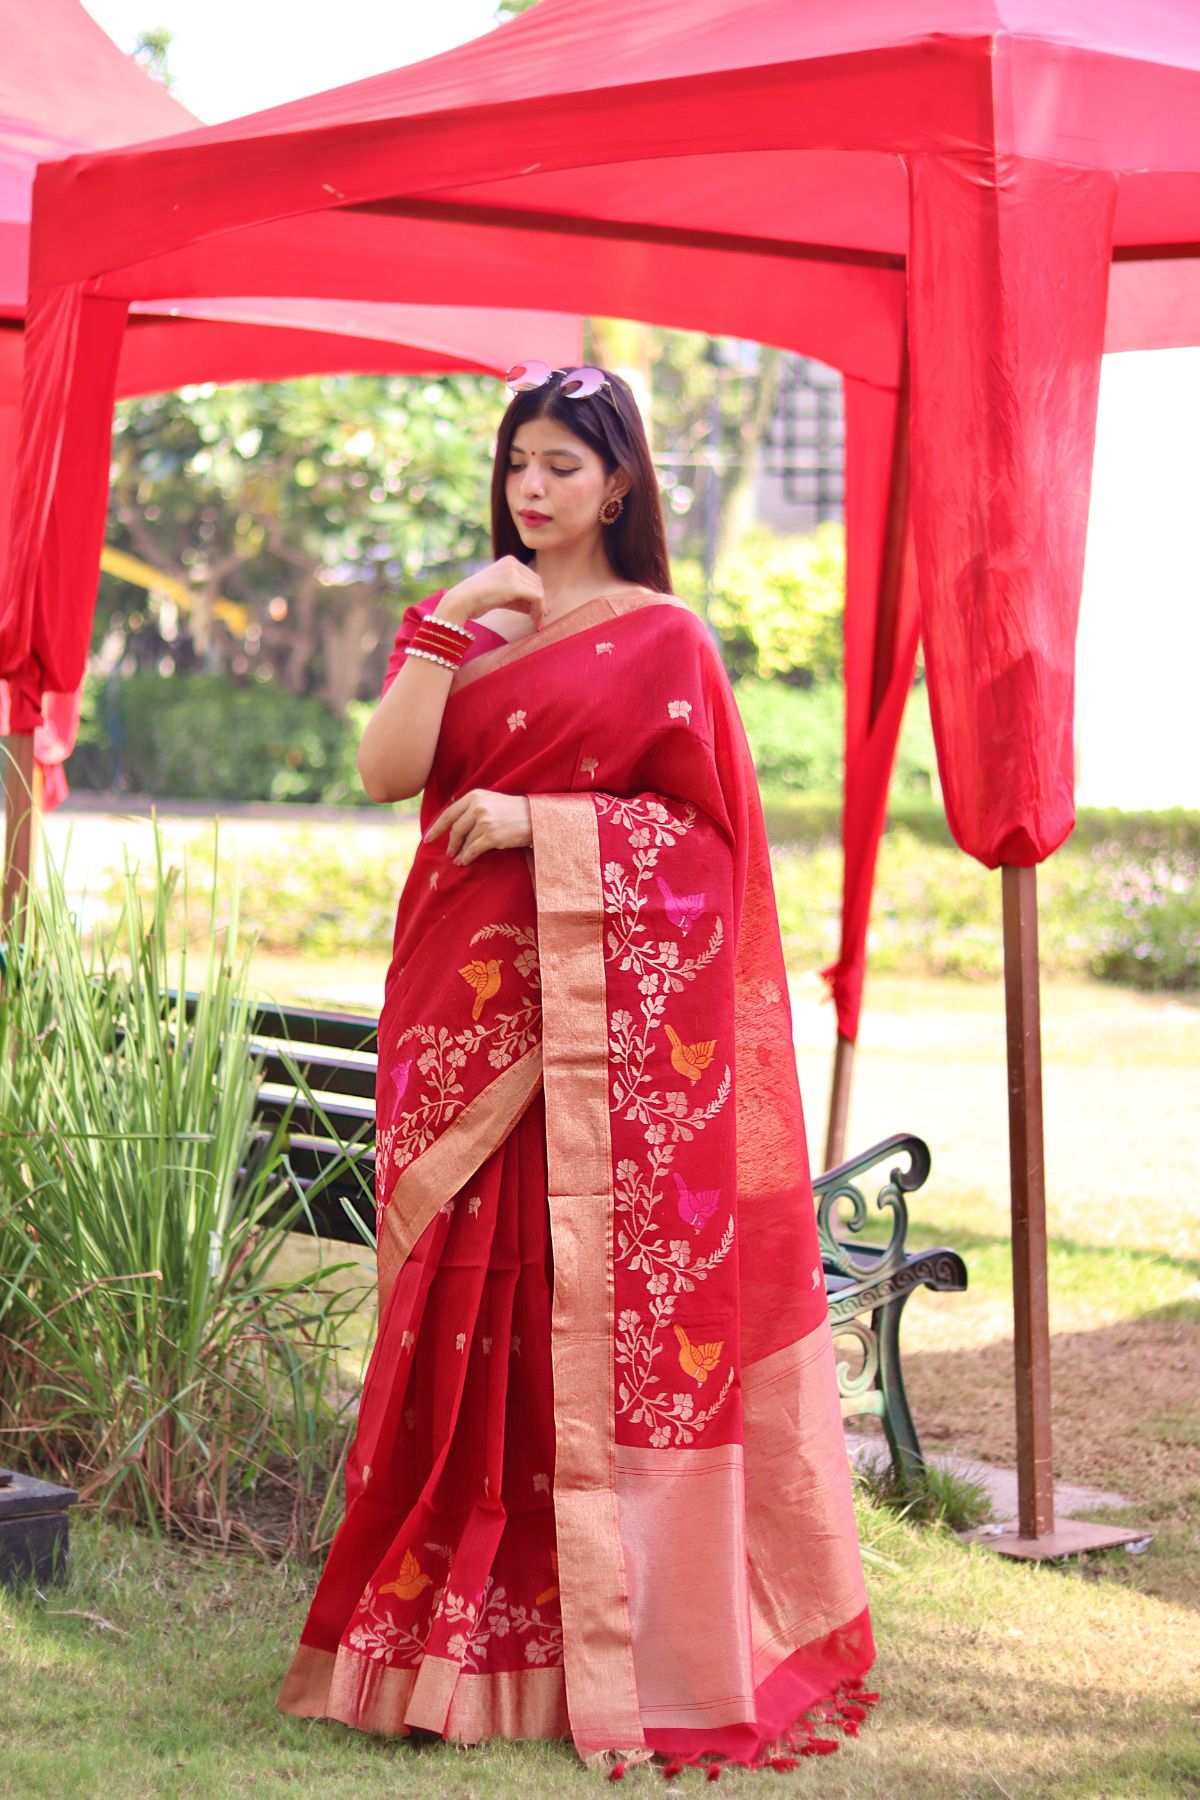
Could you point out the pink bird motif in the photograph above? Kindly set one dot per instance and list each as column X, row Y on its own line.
column 400, row 1079
column 696, row 1206
column 682, row 909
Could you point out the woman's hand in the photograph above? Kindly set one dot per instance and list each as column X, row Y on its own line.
column 508, row 582
column 482, row 820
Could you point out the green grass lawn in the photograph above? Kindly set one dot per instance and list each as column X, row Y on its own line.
column 155, row 1672
column 997, row 1679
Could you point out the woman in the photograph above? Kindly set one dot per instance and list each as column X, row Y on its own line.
column 599, row 1486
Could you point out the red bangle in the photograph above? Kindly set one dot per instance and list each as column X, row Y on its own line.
column 442, row 648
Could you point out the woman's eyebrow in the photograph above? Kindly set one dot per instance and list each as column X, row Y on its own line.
column 519, row 450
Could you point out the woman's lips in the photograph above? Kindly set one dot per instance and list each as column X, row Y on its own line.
column 532, row 518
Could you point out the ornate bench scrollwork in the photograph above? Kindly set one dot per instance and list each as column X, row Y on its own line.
column 868, row 1285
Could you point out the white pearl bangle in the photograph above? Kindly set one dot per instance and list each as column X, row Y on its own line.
column 430, row 657
column 437, row 618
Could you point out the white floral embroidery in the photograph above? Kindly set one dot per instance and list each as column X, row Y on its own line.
column 604, row 649
column 588, row 766
column 680, row 709
column 817, row 1273
column 447, row 1206
column 385, row 1137
column 496, row 1616
column 487, row 1346
column 541, row 1483
column 460, row 1341
column 770, row 991
column 514, row 1345
column 433, row 879
column 508, row 1036
column 668, row 1118
column 516, row 721
column 406, row 1340
column 473, row 1205
column 381, row 1637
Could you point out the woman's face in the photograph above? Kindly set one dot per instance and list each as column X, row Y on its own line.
column 556, row 485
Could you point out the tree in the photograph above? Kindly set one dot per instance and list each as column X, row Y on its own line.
column 324, row 505
column 151, row 50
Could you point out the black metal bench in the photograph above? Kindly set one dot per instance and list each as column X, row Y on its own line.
column 332, row 1153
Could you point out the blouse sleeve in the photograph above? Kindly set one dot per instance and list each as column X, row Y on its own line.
column 405, row 632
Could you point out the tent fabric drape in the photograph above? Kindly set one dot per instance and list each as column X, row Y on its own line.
column 65, row 86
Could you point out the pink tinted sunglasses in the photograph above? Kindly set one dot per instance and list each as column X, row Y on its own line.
column 577, row 384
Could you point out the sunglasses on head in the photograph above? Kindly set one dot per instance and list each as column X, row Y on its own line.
column 576, row 384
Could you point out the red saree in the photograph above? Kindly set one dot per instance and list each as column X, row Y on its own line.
column 599, row 1487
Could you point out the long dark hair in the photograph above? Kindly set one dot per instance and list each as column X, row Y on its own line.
column 608, row 421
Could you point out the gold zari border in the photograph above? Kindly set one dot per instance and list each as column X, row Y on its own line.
column 597, row 1645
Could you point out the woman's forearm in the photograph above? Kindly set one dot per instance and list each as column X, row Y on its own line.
column 398, row 746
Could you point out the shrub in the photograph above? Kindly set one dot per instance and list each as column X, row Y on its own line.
column 205, row 737
column 149, row 1353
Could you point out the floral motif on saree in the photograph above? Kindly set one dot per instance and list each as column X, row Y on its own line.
column 589, row 1127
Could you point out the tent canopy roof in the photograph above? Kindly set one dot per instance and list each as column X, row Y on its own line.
column 570, row 121
column 66, row 88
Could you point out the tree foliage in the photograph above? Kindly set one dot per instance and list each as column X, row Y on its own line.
column 322, row 505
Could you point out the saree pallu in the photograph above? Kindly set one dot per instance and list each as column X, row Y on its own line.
column 599, row 1485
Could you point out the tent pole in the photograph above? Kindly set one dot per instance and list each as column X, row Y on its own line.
column 20, row 807
column 887, row 612
column 1031, row 1312
column 1035, row 1535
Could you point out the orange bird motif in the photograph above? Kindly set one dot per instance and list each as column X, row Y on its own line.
column 689, row 1059
column 409, row 1582
column 697, row 1359
column 484, row 977
column 550, row 1593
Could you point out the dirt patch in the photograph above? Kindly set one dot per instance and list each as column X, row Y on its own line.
column 1124, row 1405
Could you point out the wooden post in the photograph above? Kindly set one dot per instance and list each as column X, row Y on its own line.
column 1035, row 1534
column 839, row 1102
column 1027, row 1168
column 20, row 810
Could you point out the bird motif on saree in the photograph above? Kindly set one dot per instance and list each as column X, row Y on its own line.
column 696, row 1205
column 410, row 1581
column 682, row 909
column 484, row 977
column 697, row 1359
column 689, row 1059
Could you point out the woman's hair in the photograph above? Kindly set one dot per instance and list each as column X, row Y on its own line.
column 608, row 421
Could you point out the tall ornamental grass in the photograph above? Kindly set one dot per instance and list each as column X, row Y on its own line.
column 150, row 1355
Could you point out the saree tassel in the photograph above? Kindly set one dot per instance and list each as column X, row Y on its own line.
column 617, row 1772
column 713, row 1772
column 671, row 1769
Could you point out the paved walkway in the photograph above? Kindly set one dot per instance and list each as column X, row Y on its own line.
column 1001, row 1483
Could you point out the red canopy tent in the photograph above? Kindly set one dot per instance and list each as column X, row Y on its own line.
column 959, row 203
column 65, row 86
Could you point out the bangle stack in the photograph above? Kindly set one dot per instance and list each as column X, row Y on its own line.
column 440, row 641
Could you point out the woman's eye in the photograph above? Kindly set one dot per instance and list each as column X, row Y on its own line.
column 517, row 467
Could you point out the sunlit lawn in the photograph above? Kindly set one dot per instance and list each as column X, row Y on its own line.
column 997, row 1679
